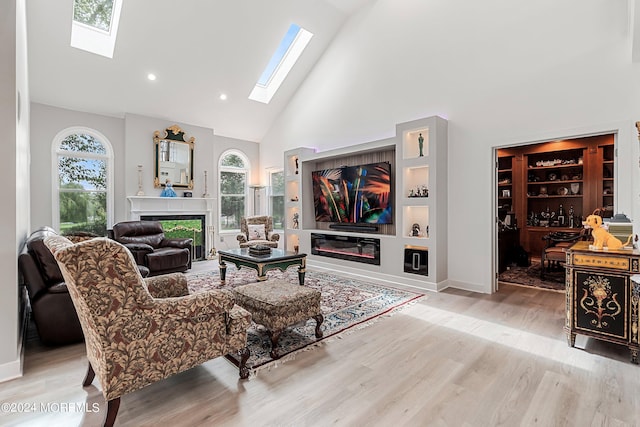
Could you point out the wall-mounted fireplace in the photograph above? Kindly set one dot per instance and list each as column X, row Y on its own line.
column 184, row 226
column 351, row 248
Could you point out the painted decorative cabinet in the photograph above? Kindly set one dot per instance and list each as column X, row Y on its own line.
column 602, row 301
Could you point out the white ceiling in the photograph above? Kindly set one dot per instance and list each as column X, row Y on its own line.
column 197, row 48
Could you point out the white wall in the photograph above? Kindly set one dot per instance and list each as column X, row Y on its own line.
column 501, row 71
column 132, row 141
column 46, row 123
column 14, row 120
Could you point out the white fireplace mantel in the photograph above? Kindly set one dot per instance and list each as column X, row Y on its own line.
column 142, row 205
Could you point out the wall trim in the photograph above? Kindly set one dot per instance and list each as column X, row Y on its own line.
column 466, row 286
column 11, row 370
column 377, row 277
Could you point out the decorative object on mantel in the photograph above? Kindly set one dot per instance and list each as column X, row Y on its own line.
column 205, row 195
column 140, row 191
column 168, row 190
column 187, row 194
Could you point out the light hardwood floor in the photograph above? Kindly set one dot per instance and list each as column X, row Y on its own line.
column 454, row 359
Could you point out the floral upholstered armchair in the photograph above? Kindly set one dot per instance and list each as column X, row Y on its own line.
column 257, row 230
column 139, row 331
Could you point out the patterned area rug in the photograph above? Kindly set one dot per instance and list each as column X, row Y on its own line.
column 530, row 276
column 346, row 304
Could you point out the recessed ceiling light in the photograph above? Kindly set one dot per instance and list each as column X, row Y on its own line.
column 223, row 97
column 151, row 76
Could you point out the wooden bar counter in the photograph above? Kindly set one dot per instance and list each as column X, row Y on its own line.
column 601, row 299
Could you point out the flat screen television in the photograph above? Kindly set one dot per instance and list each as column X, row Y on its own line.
column 354, row 194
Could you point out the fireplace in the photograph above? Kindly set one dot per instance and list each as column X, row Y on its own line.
column 351, row 248
column 183, row 226
column 188, row 216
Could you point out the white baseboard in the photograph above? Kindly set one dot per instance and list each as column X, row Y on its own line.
column 11, row 370
column 393, row 280
column 358, row 273
column 465, row 286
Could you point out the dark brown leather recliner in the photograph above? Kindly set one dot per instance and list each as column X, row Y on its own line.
column 151, row 249
column 51, row 306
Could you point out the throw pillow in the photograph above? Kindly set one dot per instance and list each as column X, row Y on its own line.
column 257, row 232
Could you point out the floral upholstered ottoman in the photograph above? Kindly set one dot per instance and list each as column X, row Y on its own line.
column 277, row 304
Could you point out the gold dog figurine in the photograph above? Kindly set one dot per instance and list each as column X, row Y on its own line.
column 601, row 237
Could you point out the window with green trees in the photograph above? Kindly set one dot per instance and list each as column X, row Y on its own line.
column 82, row 163
column 234, row 168
column 276, row 198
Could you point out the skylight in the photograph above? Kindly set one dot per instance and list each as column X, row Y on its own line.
column 95, row 25
column 289, row 50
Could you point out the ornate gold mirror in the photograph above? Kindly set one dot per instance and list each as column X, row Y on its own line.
column 173, row 158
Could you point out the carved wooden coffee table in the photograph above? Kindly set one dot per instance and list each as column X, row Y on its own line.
column 277, row 259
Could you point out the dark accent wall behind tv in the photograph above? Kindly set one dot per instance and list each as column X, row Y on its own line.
column 355, row 159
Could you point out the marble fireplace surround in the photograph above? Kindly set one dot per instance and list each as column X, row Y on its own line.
column 173, row 206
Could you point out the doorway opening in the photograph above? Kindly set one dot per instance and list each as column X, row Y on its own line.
column 544, row 188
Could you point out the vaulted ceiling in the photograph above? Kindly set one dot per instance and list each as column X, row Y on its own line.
column 199, row 49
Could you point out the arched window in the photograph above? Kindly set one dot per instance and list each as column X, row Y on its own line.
column 234, row 177
column 82, row 181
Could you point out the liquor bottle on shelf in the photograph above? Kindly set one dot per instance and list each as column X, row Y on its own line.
column 571, row 217
column 561, row 217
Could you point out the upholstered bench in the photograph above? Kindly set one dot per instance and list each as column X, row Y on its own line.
column 277, row 304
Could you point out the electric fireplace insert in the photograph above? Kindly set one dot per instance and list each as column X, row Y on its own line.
column 351, row 248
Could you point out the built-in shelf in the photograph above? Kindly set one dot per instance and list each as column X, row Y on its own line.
column 422, row 170
column 413, row 174
column 293, row 220
column 412, row 146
